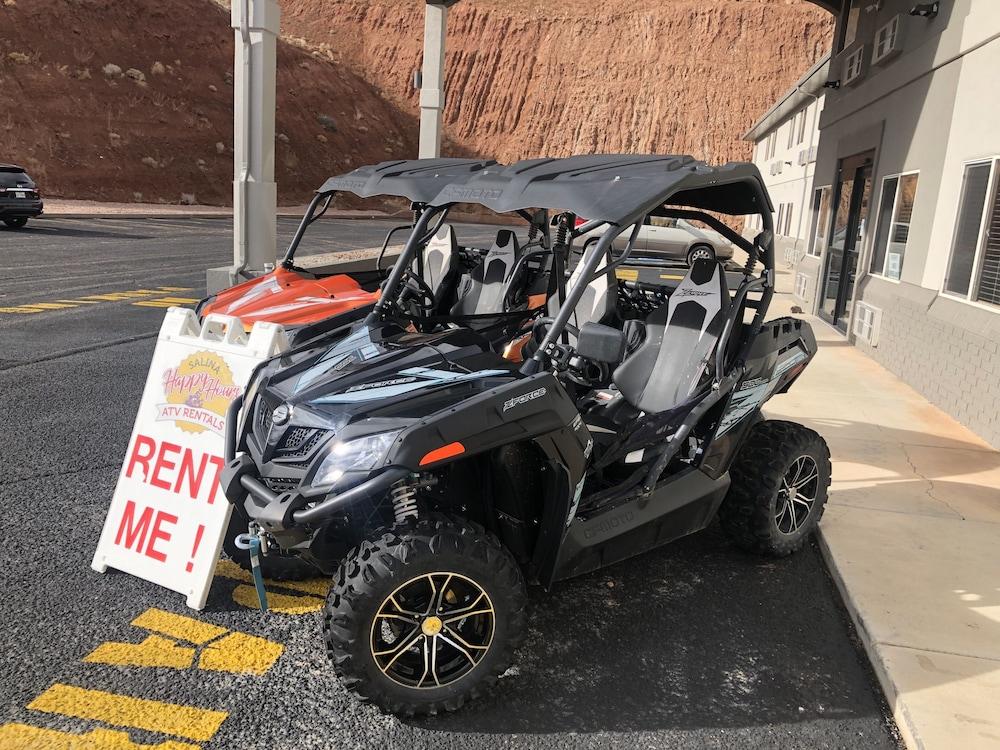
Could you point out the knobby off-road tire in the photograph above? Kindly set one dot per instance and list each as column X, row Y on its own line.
column 387, row 575
column 273, row 566
column 757, row 511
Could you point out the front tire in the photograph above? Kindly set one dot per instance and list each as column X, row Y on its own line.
column 426, row 616
column 15, row 223
column 779, row 488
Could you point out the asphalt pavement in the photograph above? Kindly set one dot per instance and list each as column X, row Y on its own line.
column 692, row 645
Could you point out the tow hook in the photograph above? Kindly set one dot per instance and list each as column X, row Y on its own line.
column 255, row 540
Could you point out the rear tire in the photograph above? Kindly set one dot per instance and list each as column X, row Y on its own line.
column 700, row 252
column 275, row 567
column 779, row 488
column 15, row 223
column 390, row 623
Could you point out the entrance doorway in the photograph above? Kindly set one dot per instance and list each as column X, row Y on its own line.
column 851, row 203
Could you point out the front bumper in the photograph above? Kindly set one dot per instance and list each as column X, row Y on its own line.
column 280, row 513
column 285, row 513
column 20, row 208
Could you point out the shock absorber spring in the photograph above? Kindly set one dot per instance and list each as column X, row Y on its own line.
column 404, row 499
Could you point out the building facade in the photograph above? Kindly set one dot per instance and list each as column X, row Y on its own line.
column 905, row 207
column 786, row 139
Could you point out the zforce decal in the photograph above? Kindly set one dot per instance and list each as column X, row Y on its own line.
column 523, row 398
column 753, row 392
column 197, row 393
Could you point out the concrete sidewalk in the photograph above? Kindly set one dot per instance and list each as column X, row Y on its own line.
column 912, row 537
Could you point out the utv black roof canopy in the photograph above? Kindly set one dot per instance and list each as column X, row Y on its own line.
column 611, row 187
column 419, row 180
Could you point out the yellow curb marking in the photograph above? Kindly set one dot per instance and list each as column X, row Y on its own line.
column 240, row 652
column 178, row 626
column 152, row 652
column 24, row 737
column 125, row 711
column 285, row 604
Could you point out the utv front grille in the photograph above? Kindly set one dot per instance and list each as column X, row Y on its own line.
column 300, row 441
column 280, row 484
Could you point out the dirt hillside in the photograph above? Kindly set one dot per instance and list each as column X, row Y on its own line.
column 108, row 100
column 553, row 77
column 132, row 101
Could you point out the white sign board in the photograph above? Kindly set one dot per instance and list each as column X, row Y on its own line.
column 168, row 515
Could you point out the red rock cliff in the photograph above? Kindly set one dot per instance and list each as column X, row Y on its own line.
column 527, row 77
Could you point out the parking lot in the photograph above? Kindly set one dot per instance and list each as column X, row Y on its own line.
column 693, row 645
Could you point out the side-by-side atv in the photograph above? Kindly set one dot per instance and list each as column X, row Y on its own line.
column 433, row 475
column 301, row 299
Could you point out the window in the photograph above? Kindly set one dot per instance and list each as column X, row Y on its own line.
column 974, row 266
column 849, row 30
column 821, row 209
column 885, row 40
column 771, row 138
column 852, row 67
column 802, row 127
column 788, row 220
column 781, row 217
column 892, row 229
column 791, row 132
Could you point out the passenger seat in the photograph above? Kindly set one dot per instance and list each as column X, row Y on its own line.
column 440, row 259
column 486, row 288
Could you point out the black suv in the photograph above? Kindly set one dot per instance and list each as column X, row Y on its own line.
column 19, row 196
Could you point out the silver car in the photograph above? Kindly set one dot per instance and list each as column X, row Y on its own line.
column 676, row 238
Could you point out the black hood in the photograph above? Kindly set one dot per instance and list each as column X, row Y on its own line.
column 372, row 380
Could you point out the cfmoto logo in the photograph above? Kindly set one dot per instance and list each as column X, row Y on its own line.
column 281, row 415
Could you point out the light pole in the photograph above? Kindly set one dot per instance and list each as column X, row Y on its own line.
column 255, row 195
column 432, row 77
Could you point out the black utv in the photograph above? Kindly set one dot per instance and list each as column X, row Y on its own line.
column 434, row 460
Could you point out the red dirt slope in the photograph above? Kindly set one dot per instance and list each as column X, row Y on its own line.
column 158, row 126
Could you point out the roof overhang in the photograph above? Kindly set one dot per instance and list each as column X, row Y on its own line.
column 808, row 87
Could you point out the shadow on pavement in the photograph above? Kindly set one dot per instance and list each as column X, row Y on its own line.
column 63, row 231
column 695, row 635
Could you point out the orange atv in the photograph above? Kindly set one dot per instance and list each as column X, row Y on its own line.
column 307, row 301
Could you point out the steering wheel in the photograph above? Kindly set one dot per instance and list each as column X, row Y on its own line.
column 420, row 293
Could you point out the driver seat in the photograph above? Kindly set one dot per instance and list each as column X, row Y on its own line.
column 486, row 288
column 668, row 367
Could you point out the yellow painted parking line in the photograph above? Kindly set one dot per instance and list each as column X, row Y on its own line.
column 177, row 288
column 241, row 653
column 152, row 652
column 53, row 305
column 285, row 604
column 317, row 586
column 198, row 724
column 20, row 309
column 225, row 651
column 671, row 277
column 166, row 302
column 109, row 297
column 80, row 301
column 178, row 626
column 24, row 737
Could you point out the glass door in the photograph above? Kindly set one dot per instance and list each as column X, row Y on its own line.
column 851, row 203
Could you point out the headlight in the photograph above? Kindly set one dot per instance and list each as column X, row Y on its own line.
column 360, row 454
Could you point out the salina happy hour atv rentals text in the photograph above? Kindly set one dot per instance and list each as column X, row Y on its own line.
column 432, row 477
